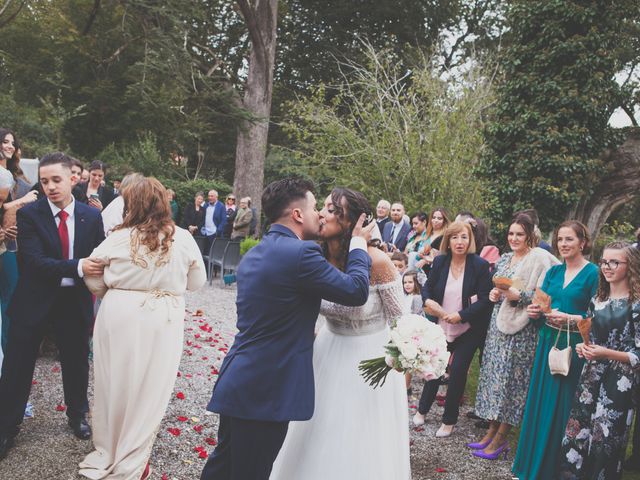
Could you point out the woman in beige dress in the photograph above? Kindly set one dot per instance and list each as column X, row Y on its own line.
column 149, row 263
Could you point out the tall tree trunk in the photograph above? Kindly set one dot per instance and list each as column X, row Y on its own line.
column 618, row 185
column 261, row 19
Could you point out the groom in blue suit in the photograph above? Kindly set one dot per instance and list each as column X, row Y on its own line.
column 266, row 379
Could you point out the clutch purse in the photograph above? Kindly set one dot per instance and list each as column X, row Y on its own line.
column 560, row 360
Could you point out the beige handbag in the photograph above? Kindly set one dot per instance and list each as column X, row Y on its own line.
column 560, row 360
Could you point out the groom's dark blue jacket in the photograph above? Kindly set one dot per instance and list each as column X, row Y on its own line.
column 268, row 372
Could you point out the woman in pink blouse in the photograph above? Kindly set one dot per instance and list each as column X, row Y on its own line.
column 456, row 296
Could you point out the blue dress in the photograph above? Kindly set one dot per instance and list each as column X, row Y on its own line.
column 550, row 396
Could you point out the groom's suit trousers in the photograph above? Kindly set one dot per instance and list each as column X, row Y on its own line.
column 246, row 449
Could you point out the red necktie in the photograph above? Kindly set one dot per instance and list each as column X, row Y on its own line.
column 63, row 233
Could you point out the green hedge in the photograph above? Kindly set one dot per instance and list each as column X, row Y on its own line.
column 186, row 189
column 247, row 244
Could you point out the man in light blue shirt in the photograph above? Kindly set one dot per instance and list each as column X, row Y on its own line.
column 215, row 216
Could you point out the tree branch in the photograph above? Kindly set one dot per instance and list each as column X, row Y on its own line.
column 630, row 114
column 13, row 15
column 92, row 17
column 254, row 30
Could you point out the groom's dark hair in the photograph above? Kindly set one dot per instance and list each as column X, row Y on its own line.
column 278, row 195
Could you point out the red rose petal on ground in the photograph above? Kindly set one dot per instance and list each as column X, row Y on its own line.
column 197, row 335
column 55, row 369
column 174, row 431
column 198, row 428
column 178, row 374
column 60, row 408
column 180, row 395
column 182, row 419
column 441, row 470
column 34, row 382
column 165, row 477
column 210, row 441
column 203, row 454
column 418, row 429
column 205, row 358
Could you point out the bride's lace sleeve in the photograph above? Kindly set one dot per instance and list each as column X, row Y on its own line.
column 392, row 298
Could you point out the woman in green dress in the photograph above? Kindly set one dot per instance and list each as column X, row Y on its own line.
column 596, row 435
column 570, row 286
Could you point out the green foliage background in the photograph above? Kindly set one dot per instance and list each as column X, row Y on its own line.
column 558, row 93
column 403, row 135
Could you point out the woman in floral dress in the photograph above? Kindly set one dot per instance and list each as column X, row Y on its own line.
column 596, row 435
column 511, row 340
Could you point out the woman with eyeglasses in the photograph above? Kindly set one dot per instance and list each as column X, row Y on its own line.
column 571, row 285
column 597, row 431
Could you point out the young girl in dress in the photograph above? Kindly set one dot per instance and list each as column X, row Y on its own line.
column 412, row 297
column 596, row 435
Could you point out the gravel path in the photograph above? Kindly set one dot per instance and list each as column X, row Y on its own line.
column 46, row 449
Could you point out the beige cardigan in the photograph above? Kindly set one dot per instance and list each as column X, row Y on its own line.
column 512, row 316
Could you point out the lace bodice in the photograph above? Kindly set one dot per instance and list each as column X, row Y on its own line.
column 384, row 305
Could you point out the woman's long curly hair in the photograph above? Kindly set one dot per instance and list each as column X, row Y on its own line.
column 148, row 214
column 633, row 272
column 355, row 204
column 445, row 223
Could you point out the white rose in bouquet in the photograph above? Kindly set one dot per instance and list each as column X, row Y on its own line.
column 417, row 345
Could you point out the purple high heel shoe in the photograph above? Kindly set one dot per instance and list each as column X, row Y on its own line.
column 501, row 451
column 478, row 445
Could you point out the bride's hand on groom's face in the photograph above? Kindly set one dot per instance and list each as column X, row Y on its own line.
column 364, row 232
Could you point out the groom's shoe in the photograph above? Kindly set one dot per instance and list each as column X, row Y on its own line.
column 6, row 442
column 80, row 426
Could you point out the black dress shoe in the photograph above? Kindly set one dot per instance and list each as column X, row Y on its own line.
column 6, row 442
column 80, row 427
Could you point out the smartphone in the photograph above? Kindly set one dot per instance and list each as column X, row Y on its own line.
column 94, row 196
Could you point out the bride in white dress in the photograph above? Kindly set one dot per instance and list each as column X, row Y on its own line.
column 357, row 432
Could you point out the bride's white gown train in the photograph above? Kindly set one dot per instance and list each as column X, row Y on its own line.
column 357, row 432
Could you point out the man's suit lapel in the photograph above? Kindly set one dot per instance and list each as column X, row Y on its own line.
column 79, row 230
column 49, row 223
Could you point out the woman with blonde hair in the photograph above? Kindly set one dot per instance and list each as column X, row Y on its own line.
column 149, row 263
column 456, row 296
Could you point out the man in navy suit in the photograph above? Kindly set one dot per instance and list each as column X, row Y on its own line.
column 56, row 234
column 395, row 232
column 214, row 219
column 266, row 379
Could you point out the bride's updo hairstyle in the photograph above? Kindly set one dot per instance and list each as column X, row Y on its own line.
column 349, row 205
column 147, row 211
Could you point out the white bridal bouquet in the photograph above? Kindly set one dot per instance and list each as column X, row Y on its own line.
column 417, row 346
